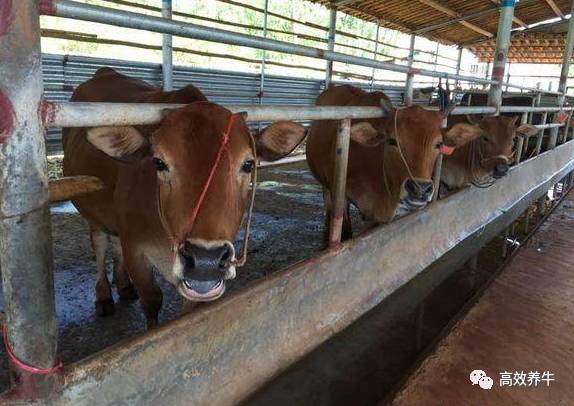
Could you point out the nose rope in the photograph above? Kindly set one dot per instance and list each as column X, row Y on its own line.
column 203, row 194
column 401, row 151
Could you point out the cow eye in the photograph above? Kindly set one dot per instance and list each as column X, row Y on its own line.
column 160, row 166
column 392, row 141
column 438, row 145
column 485, row 139
column 247, row 166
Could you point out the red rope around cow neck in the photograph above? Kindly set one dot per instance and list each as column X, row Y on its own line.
column 22, row 366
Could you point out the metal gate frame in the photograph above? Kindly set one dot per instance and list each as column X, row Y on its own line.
column 215, row 354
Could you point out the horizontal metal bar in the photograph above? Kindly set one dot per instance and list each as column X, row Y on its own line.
column 120, row 18
column 527, row 109
column 545, row 126
column 70, row 114
column 199, row 354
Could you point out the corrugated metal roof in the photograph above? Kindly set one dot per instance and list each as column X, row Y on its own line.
column 411, row 16
column 523, row 323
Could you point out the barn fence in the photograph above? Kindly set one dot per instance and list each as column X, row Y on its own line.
column 271, row 325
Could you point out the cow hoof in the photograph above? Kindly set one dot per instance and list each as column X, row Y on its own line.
column 105, row 307
column 128, row 293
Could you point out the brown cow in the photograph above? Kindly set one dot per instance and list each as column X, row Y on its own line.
column 156, row 200
column 391, row 159
column 485, row 158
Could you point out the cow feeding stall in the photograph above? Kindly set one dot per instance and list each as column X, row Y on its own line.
column 308, row 303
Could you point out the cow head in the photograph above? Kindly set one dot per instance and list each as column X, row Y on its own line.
column 201, row 223
column 412, row 139
column 495, row 145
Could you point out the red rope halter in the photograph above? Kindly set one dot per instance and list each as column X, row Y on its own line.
column 21, row 365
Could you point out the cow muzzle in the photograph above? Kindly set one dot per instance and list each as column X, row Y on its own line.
column 416, row 193
column 500, row 171
column 205, row 266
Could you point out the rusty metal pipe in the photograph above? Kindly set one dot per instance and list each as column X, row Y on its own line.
column 338, row 198
column 25, row 231
column 331, row 45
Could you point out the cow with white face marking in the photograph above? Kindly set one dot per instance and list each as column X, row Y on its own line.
column 176, row 193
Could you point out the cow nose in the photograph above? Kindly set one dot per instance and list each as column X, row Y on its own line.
column 500, row 170
column 419, row 190
column 205, row 263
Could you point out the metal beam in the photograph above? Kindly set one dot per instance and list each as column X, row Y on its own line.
column 276, row 321
column 478, row 14
column 443, row 9
column 501, row 52
column 408, row 99
column 25, row 228
column 555, row 8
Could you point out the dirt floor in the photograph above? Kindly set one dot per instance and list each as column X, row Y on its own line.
column 287, row 227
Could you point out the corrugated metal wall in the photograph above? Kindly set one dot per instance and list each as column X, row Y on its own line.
column 62, row 74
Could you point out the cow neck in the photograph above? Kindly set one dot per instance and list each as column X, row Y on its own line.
column 247, row 224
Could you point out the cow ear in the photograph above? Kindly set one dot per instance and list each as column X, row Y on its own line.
column 461, row 134
column 122, row 143
column 527, row 130
column 365, row 134
column 279, row 139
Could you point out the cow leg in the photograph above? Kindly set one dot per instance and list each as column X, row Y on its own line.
column 142, row 277
column 124, row 285
column 104, row 300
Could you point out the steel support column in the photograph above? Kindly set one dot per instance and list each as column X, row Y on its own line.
column 25, row 232
column 501, row 52
column 331, row 45
column 167, row 49
column 410, row 75
column 566, row 61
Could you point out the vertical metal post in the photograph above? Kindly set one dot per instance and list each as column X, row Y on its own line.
column 504, row 252
column 167, row 50
column 331, row 44
column 375, row 58
column 562, row 84
column 540, row 136
column 341, row 159
column 501, row 52
column 458, row 64
column 410, row 76
column 262, row 73
column 520, row 140
column 25, row 231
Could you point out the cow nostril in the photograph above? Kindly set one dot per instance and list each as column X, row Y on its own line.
column 225, row 257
